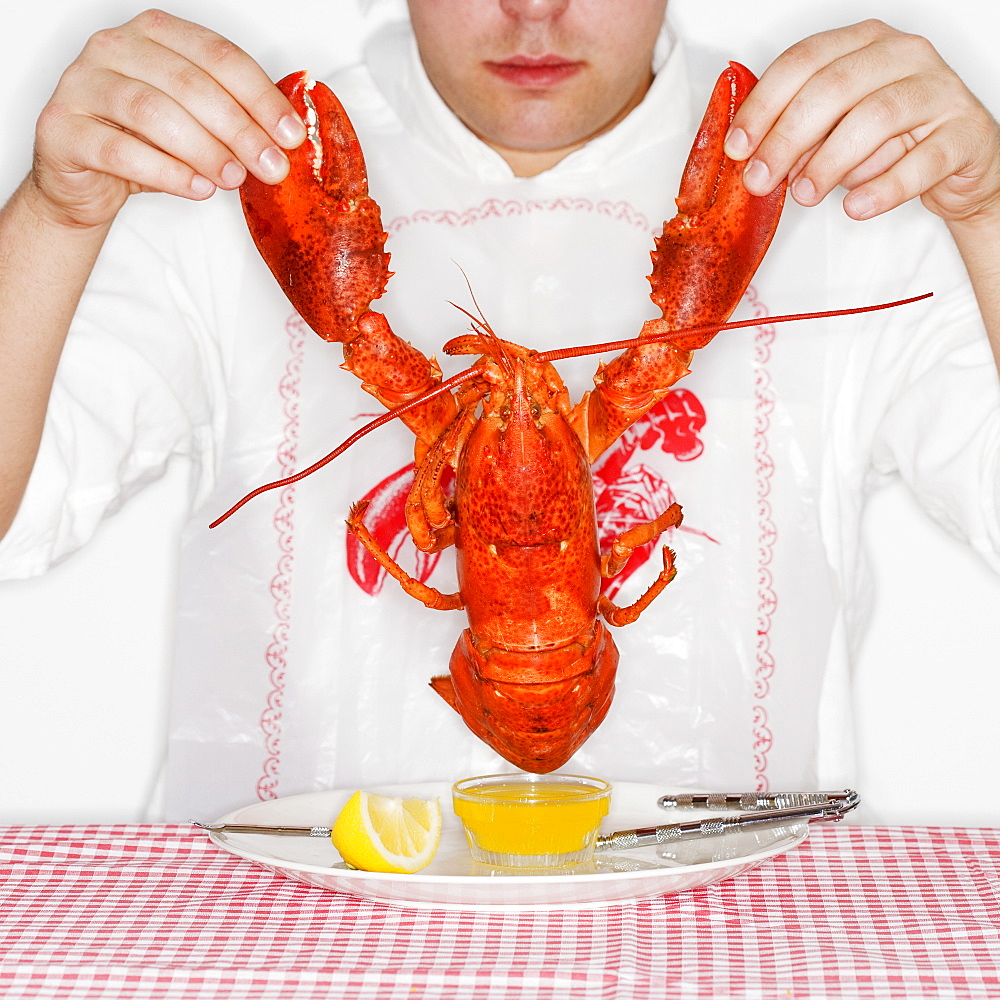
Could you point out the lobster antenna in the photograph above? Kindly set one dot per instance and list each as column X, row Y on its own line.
column 619, row 345
column 397, row 411
column 570, row 352
column 481, row 325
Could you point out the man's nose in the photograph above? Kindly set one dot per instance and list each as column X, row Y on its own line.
column 533, row 10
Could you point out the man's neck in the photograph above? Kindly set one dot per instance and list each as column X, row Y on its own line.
column 528, row 163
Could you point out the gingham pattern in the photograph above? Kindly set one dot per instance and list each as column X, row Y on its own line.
column 158, row 912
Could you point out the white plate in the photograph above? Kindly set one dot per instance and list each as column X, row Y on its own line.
column 454, row 881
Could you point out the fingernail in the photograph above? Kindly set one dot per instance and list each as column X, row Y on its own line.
column 233, row 174
column 273, row 163
column 804, row 191
column 290, row 131
column 756, row 176
column 860, row 205
column 737, row 144
column 201, row 187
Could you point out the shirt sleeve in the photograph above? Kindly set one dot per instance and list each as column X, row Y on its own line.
column 939, row 424
column 140, row 381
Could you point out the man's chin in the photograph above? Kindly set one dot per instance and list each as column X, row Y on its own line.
column 538, row 136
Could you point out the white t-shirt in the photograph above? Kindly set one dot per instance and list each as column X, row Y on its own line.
column 297, row 669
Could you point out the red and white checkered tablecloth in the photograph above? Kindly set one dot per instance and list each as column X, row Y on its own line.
column 159, row 912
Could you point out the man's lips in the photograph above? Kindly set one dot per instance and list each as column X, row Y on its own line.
column 534, row 72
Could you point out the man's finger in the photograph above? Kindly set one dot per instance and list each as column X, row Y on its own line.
column 880, row 129
column 923, row 167
column 234, row 70
column 105, row 149
column 782, row 81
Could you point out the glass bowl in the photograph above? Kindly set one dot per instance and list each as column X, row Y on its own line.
column 531, row 820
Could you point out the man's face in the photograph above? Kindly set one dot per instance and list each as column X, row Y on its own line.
column 538, row 75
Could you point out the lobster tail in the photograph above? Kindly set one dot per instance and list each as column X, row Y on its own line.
column 536, row 709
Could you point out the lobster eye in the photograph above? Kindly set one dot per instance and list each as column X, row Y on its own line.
column 505, row 413
column 536, row 410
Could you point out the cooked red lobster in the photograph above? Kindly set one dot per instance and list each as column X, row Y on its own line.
column 533, row 674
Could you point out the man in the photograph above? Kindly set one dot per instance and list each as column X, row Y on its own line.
column 571, row 135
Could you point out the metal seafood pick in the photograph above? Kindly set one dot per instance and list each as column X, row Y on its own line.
column 281, row 831
column 753, row 800
column 829, row 806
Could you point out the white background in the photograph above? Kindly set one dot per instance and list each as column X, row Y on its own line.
column 84, row 651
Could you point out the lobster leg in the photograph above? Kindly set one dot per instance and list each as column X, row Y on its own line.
column 395, row 372
column 702, row 265
column 428, row 596
column 622, row 548
column 628, row 541
column 615, row 615
column 428, row 514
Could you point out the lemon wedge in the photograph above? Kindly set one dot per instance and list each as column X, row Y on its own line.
column 377, row 833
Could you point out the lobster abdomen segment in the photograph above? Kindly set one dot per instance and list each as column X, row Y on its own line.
column 515, row 707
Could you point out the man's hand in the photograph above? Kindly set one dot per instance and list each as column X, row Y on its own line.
column 158, row 104
column 877, row 111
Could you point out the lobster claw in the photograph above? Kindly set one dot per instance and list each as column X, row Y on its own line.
column 709, row 251
column 318, row 230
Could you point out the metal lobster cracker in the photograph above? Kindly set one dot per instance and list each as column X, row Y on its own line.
column 533, row 674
